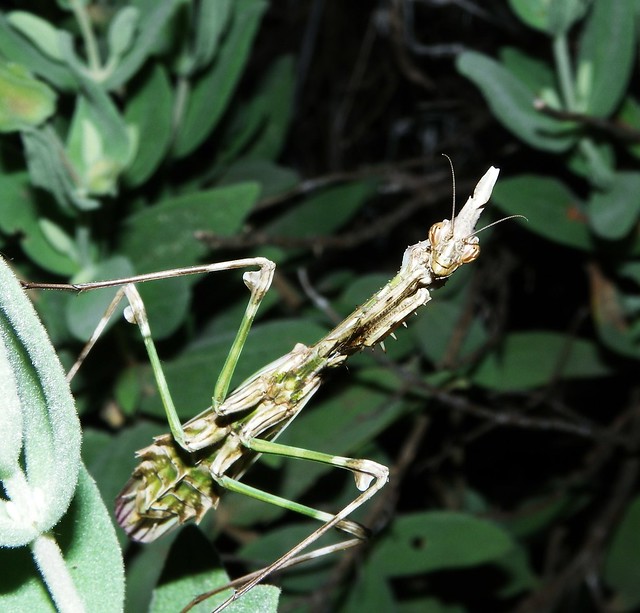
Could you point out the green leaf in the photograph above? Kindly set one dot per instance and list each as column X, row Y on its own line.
column 213, row 90
column 143, row 573
column 21, row 216
column 553, row 18
column 324, row 212
column 614, row 213
column 438, row 328
column 162, row 237
column 535, row 74
column 275, row 105
column 90, row 552
column 84, row 311
column 39, row 32
column 153, row 20
column 623, row 560
column 533, row 359
column 99, row 145
column 607, row 54
column 511, row 102
column 41, row 482
column 150, row 110
column 174, row 596
column 616, row 322
column 210, row 23
column 273, row 179
column 121, row 31
column 629, row 117
column 59, row 239
column 24, row 100
column 437, row 540
column 16, row 48
column 551, row 209
column 370, row 592
column 50, row 169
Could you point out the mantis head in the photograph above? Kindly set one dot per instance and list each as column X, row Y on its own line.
column 448, row 253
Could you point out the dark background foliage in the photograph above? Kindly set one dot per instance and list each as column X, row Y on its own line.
column 508, row 411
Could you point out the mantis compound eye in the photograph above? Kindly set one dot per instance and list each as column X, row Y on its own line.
column 470, row 251
column 439, row 232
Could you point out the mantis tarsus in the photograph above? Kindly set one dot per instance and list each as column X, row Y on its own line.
column 182, row 475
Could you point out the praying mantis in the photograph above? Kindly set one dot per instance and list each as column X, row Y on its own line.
column 183, row 474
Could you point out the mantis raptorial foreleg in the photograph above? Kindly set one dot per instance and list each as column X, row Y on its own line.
column 257, row 281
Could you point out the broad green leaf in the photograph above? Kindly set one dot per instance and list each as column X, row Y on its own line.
column 276, row 99
column 273, row 179
column 535, row 74
column 121, row 31
column 99, row 145
column 438, row 331
column 562, row 15
column 616, row 322
column 614, row 213
column 16, row 48
column 538, row 514
column 163, row 236
column 551, row 209
column 213, row 90
column 607, row 54
column 511, row 102
column 209, row 23
column 59, row 239
column 173, row 596
column 39, row 32
column 257, row 129
column 21, row 216
column 629, row 117
column 623, row 560
column 278, row 541
column 534, row 359
column 24, row 100
column 150, row 110
column 90, row 551
column 370, row 592
column 552, row 17
column 595, row 161
column 84, row 311
column 438, row 540
column 40, row 483
column 144, row 571
column 516, row 568
column 428, row 605
column 50, row 169
column 324, row 212
column 152, row 23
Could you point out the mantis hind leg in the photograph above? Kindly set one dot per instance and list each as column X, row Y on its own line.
column 370, row 477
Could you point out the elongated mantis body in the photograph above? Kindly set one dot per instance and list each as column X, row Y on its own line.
column 183, row 474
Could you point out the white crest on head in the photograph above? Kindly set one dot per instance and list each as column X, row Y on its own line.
column 465, row 222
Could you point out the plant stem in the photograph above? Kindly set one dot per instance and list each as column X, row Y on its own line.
column 56, row 575
column 565, row 72
column 90, row 44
